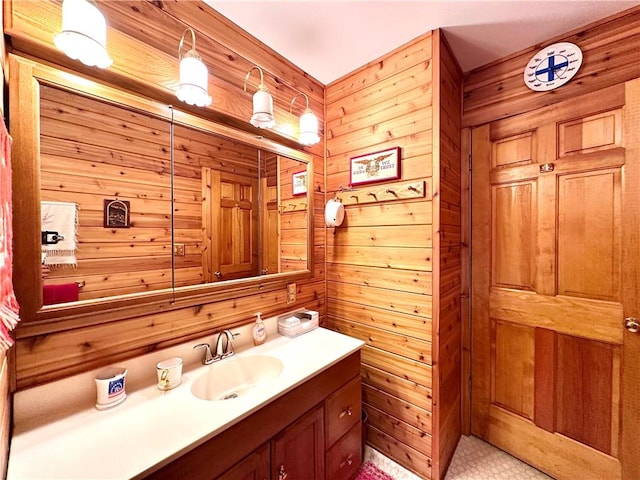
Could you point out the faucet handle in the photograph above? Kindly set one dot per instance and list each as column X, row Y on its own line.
column 208, row 356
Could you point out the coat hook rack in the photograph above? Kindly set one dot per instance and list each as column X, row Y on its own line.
column 383, row 193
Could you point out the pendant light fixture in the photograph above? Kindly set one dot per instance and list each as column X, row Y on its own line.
column 194, row 76
column 84, row 33
column 308, row 123
column 262, row 116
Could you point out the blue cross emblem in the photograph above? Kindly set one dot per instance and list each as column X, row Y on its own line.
column 551, row 67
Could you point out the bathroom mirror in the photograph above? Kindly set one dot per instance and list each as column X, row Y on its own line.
column 137, row 206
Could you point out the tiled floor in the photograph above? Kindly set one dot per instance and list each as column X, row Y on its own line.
column 474, row 460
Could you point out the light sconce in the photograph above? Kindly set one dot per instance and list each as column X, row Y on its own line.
column 308, row 123
column 84, row 33
column 262, row 103
column 194, row 76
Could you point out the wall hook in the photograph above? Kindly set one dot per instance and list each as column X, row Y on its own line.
column 391, row 192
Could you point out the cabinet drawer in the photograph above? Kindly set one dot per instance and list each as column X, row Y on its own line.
column 343, row 410
column 345, row 457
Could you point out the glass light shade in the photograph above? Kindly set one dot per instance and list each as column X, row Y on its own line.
column 308, row 128
column 84, row 33
column 262, row 109
column 194, row 79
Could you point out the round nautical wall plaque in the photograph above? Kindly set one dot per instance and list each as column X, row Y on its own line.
column 552, row 66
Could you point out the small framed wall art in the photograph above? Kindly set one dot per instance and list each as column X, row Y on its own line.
column 116, row 213
column 375, row 167
column 299, row 183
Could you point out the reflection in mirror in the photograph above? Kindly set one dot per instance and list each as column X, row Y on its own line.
column 238, row 211
column 105, row 176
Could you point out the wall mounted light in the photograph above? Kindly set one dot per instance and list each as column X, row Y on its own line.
column 194, row 76
column 262, row 116
column 84, row 33
column 308, row 123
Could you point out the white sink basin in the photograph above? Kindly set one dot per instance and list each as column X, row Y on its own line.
column 236, row 376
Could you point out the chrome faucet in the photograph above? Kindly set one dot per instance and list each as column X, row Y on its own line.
column 224, row 347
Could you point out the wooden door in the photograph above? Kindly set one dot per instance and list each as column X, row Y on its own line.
column 269, row 228
column 230, row 217
column 555, row 258
column 298, row 452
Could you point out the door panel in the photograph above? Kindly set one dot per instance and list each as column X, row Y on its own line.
column 512, row 219
column 549, row 213
column 589, row 228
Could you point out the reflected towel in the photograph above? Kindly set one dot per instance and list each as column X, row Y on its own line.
column 61, row 217
column 63, row 293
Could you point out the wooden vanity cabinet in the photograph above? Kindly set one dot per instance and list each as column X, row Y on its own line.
column 343, row 431
column 254, row 467
column 308, row 431
column 298, row 451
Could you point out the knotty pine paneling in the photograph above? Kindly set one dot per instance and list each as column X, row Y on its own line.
column 447, row 266
column 382, row 263
column 151, row 31
column 610, row 48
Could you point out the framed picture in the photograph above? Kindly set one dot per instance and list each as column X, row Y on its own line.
column 299, row 183
column 375, row 167
column 116, row 213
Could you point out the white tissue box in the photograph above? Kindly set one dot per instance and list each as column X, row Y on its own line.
column 296, row 323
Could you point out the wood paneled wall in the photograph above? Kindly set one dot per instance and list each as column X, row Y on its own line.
column 610, row 48
column 151, row 31
column 447, row 270
column 143, row 38
column 384, row 285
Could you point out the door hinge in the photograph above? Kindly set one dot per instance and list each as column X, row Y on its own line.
column 469, row 162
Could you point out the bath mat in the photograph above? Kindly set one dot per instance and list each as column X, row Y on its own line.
column 368, row 471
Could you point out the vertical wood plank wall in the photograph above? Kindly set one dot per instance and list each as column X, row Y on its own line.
column 447, row 326
column 381, row 274
column 48, row 356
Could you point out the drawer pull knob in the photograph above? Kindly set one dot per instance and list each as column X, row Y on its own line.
column 346, row 411
column 282, row 475
column 347, row 462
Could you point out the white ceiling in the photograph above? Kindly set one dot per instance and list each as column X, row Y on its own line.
column 329, row 39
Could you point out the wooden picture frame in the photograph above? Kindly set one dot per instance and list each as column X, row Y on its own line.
column 116, row 213
column 299, row 183
column 375, row 167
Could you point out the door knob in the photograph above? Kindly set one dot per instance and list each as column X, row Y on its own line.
column 218, row 274
column 632, row 324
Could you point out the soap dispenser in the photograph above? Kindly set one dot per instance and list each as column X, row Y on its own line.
column 259, row 331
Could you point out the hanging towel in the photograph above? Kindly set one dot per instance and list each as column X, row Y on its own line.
column 8, row 304
column 66, row 292
column 60, row 217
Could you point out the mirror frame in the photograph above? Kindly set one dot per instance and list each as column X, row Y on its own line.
column 25, row 78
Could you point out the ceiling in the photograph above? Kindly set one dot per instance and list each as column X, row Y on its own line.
column 329, row 39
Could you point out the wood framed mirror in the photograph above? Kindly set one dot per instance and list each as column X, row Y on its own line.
column 173, row 211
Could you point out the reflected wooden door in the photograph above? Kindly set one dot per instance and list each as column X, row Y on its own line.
column 555, row 255
column 230, row 217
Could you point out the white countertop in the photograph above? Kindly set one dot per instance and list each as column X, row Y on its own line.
column 151, row 428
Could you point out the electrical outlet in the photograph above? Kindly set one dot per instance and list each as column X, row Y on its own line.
column 178, row 249
column 291, row 293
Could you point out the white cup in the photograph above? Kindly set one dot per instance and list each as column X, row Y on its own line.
column 110, row 387
column 169, row 373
